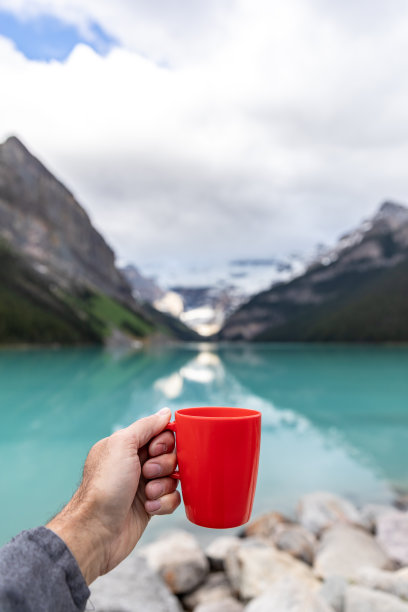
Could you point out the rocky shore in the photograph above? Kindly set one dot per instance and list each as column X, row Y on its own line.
column 334, row 558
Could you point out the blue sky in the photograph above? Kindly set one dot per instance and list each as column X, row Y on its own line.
column 46, row 37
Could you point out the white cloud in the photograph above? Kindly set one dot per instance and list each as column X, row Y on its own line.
column 276, row 126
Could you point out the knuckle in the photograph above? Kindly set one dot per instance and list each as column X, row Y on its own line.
column 170, row 458
column 170, row 485
column 165, row 438
column 175, row 500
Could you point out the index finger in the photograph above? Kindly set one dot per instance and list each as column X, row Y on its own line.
column 162, row 443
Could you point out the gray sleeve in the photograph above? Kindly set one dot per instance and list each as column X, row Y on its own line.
column 39, row 573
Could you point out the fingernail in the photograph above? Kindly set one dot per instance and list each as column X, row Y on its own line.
column 153, row 505
column 152, row 469
column 161, row 448
column 163, row 411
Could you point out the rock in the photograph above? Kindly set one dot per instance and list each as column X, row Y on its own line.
column 288, row 595
column 333, row 592
column 401, row 502
column 215, row 588
column 317, row 511
column 295, row 540
column 265, row 526
column 229, row 604
column 131, row 587
column 361, row 599
column 395, row 583
column 284, row 534
column 370, row 514
column 392, row 534
column 254, row 566
column 344, row 549
column 218, row 549
column 178, row 558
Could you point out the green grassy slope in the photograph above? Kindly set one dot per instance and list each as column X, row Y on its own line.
column 29, row 310
column 33, row 310
column 103, row 314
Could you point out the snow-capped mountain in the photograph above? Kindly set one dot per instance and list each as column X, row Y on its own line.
column 355, row 291
column 209, row 293
column 391, row 214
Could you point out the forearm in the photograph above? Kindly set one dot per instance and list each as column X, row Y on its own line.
column 84, row 538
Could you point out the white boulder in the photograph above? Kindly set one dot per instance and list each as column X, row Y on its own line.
column 215, row 588
column 179, row 560
column 288, row 595
column 392, row 534
column 229, row 604
column 361, row 599
column 333, row 592
column 131, row 587
column 344, row 549
column 218, row 549
column 254, row 566
column 284, row 534
column 395, row 583
column 319, row 510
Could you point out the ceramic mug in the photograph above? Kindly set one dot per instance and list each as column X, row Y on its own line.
column 218, row 456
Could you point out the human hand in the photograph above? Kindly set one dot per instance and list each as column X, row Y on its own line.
column 121, row 488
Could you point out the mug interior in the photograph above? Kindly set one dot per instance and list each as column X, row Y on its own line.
column 217, row 412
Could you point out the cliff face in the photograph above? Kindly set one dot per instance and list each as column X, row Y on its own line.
column 42, row 219
column 58, row 279
column 358, row 291
column 144, row 288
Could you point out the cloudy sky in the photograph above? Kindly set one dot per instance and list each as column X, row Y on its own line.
column 199, row 130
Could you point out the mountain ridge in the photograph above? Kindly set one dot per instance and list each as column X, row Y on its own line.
column 42, row 218
column 57, row 267
column 353, row 292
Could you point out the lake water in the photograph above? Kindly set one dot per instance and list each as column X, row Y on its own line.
column 334, row 418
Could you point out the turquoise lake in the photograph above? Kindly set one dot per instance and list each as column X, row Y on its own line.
column 334, row 418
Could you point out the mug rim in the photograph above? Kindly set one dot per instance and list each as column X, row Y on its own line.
column 248, row 413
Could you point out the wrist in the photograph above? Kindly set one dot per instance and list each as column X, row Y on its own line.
column 86, row 539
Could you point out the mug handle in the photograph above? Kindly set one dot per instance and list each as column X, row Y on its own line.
column 172, row 427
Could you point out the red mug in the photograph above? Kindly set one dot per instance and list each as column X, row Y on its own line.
column 218, row 456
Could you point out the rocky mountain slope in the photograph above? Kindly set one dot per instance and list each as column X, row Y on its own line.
column 58, row 278
column 357, row 291
column 144, row 289
column 41, row 218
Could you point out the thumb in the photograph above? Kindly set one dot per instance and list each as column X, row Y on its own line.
column 148, row 427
